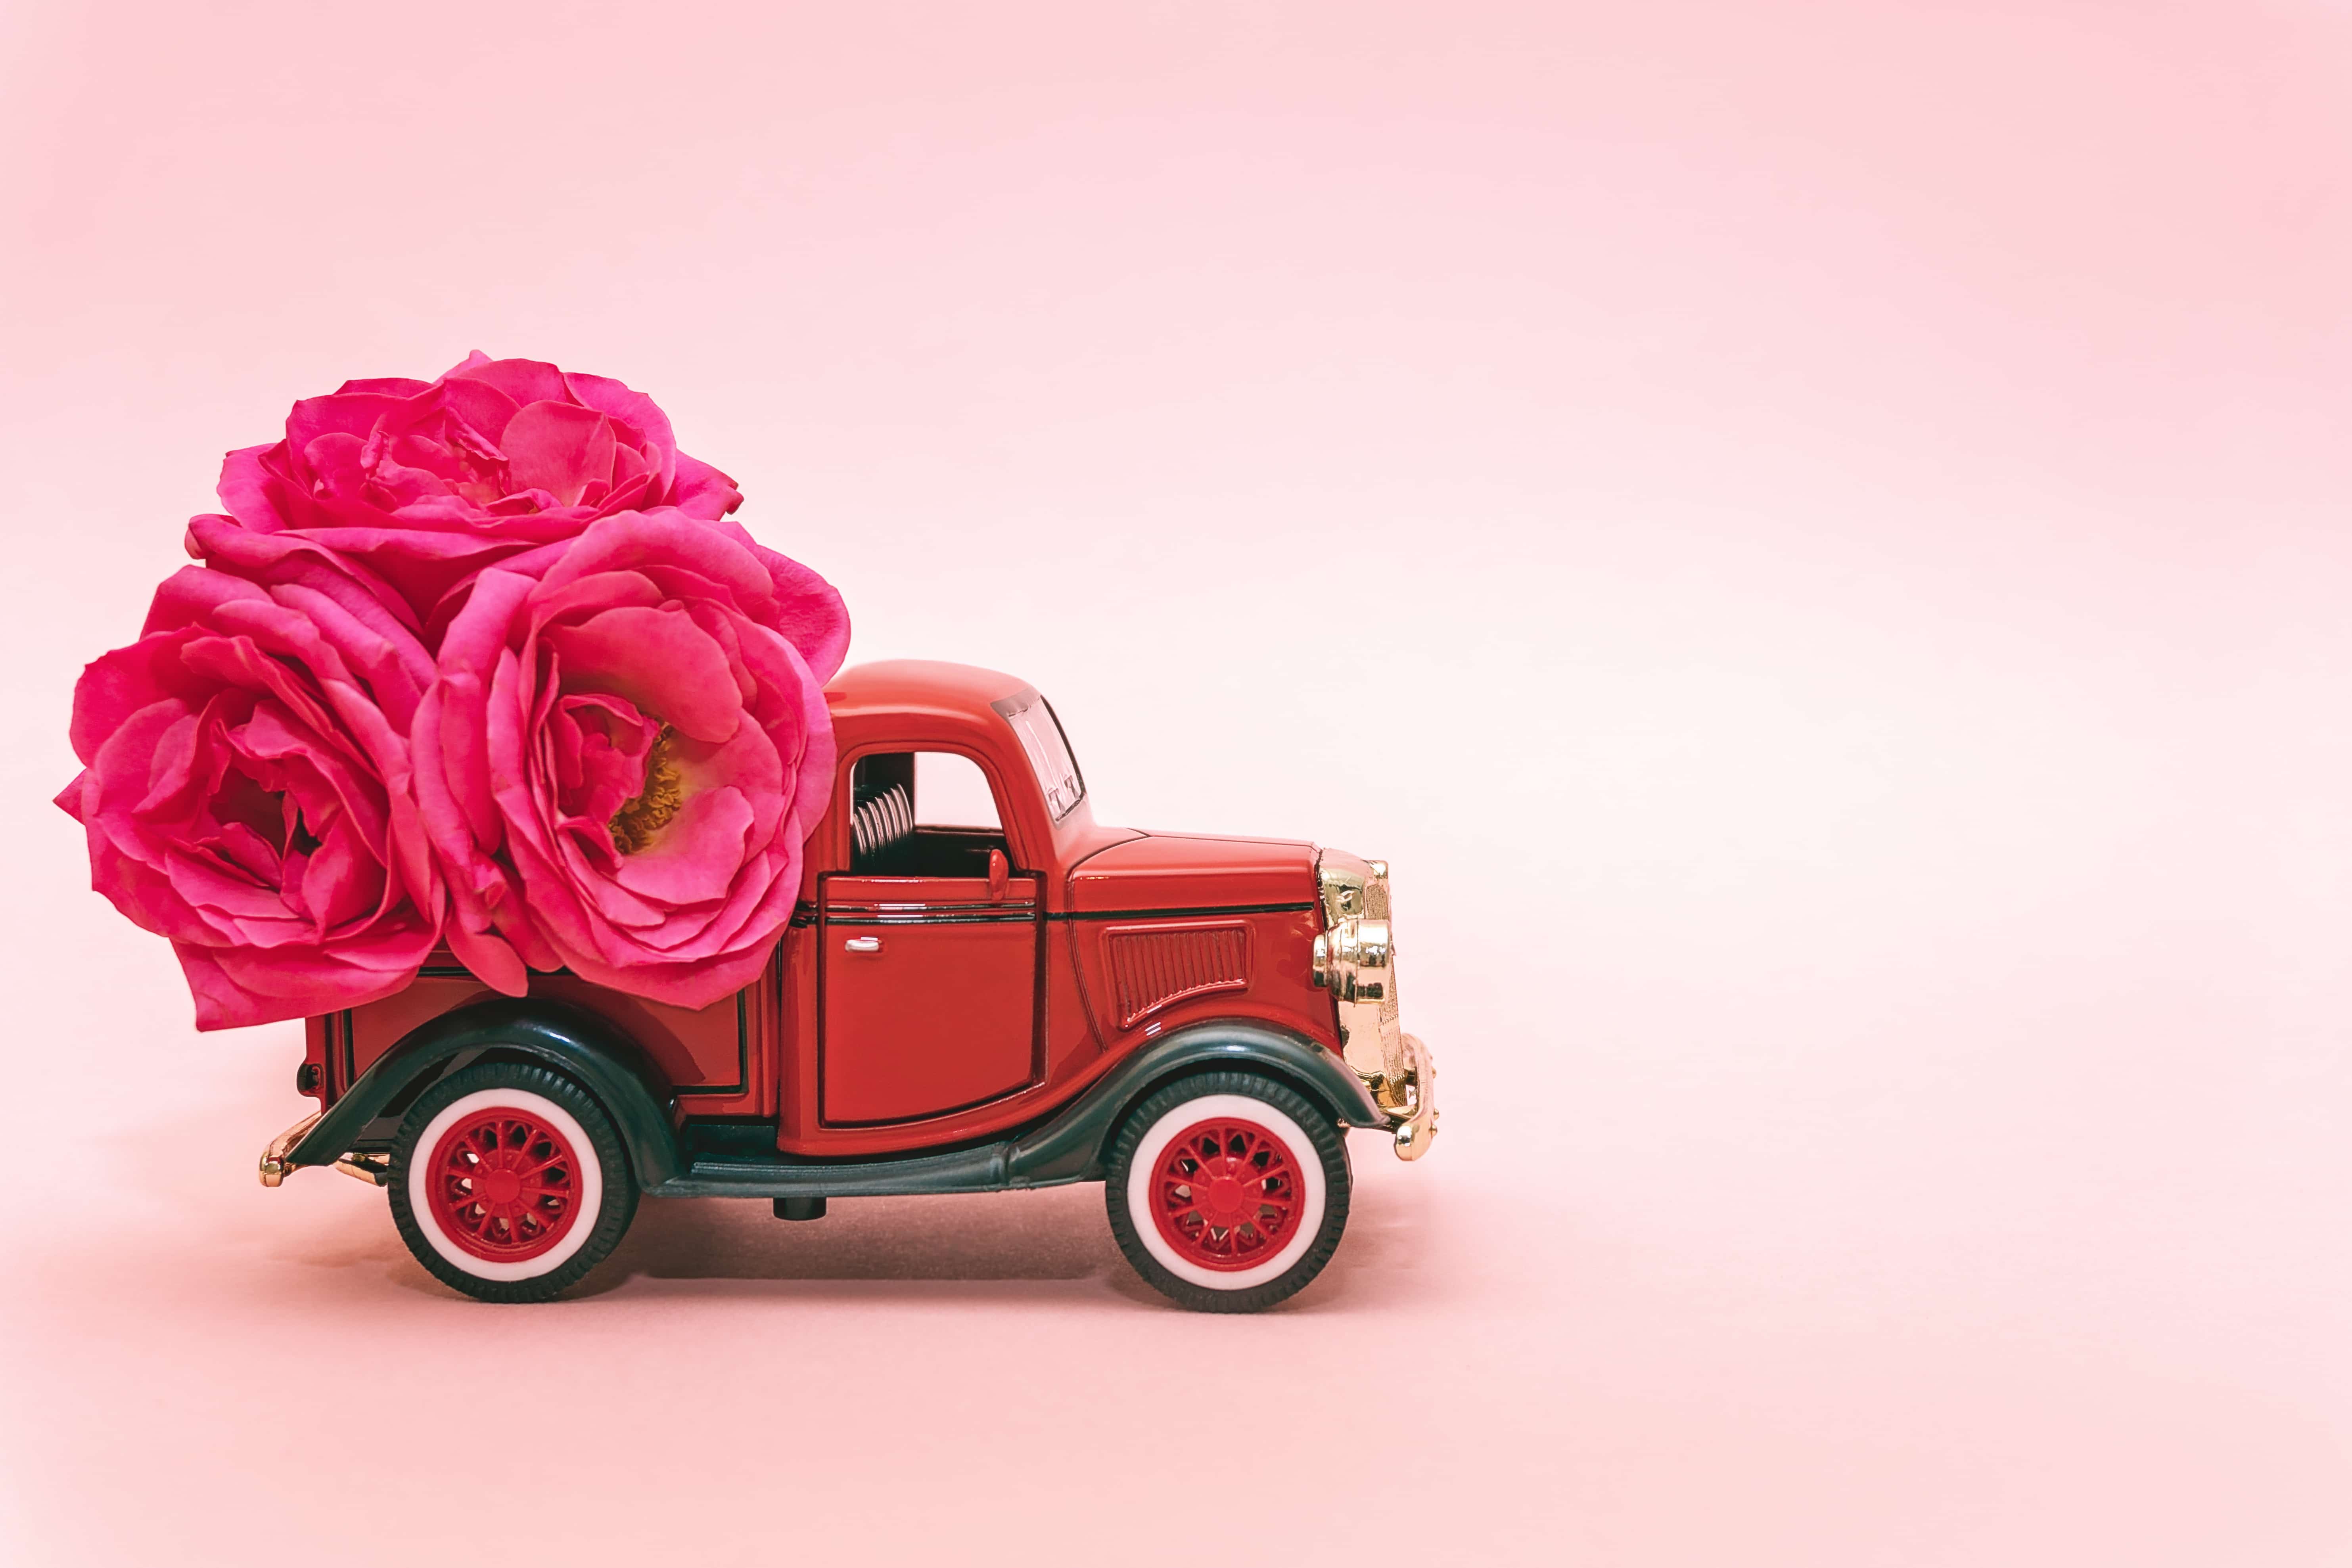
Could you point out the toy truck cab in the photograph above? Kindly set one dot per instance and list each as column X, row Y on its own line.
column 981, row 988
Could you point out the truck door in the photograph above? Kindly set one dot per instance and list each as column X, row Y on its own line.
column 930, row 949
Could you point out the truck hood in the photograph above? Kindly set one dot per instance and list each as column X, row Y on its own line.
column 1163, row 872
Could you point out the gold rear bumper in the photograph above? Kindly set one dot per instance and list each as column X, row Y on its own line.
column 373, row 1169
column 273, row 1158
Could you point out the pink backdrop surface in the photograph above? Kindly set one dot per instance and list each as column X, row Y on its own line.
column 1812, row 535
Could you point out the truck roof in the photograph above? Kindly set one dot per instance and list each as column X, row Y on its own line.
column 904, row 685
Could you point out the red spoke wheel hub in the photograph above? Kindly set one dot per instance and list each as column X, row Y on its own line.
column 504, row 1185
column 1225, row 1194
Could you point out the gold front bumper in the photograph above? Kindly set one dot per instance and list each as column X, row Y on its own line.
column 1412, row 1104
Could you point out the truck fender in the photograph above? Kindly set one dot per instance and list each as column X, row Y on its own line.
column 1072, row 1146
column 572, row 1041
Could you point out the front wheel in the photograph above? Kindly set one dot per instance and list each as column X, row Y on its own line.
column 509, row 1183
column 1228, row 1192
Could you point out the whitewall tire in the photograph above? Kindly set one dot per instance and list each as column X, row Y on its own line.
column 1228, row 1192
column 509, row 1182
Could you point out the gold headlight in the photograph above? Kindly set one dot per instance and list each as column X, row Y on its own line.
column 1353, row 961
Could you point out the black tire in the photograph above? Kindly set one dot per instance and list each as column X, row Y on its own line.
column 574, row 1215
column 1174, row 1242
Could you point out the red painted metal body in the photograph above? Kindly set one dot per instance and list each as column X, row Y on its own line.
column 949, row 996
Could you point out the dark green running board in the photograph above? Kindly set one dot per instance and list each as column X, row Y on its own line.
column 1067, row 1148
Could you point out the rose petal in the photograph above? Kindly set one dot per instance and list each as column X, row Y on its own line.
column 526, row 381
column 658, row 659
column 558, row 448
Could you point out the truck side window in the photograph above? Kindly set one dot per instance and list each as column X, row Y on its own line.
column 951, row 792
column 922, row 813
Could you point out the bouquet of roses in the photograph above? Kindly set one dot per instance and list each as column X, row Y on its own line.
column 480, row 662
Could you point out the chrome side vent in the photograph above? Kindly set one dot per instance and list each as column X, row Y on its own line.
column 1152, row 967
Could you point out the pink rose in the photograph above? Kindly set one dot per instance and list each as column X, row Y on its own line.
column 624, row 752
column 246, row 790
column 429, row 481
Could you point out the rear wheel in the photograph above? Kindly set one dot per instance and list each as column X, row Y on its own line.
column 1228, row 1192
column 509, row 1183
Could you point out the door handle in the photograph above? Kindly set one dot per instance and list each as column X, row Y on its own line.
column 862, row 945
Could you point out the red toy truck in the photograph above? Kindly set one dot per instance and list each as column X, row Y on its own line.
column 956, row 1007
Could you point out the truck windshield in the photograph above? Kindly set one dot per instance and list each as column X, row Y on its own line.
column 1031, row 717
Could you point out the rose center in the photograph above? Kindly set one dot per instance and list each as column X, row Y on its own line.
column 658, row 800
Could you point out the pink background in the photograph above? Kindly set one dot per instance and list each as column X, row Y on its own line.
column 1813, row 536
